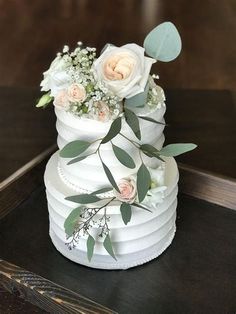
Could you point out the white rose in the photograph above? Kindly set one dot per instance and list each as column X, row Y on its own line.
column 56, row 78
column 123, row 70
column 156, row 193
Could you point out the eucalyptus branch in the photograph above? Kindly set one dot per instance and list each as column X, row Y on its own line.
column 136, row 144
column 86, row 224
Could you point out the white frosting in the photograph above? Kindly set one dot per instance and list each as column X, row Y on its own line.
column 144, row 232
column 148, row 234
column 89, row 171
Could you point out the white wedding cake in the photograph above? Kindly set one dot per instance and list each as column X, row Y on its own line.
column 112, row 186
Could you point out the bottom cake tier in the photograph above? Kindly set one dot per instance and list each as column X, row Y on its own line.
column 145, row 237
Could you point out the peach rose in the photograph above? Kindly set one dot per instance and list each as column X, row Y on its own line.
column 118, row 67
column 76, row 93
column 123, row 70
column 127, row 189
column 61, row 100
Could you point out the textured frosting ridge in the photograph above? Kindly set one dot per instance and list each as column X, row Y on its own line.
column 148, row 234
column 89, row 171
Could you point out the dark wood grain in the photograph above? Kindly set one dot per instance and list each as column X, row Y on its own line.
column 20, row 184
column 207, row 186
column 39, row 28
column 45, row 294
column 195, row 275
column 13, row 304
column 206, row 118
column 25, row 131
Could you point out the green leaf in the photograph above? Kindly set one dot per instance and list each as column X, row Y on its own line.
column 77, row 159
column 151, row 120
column 113, row 131
column 143, row 182
column 173, row 150
column 133, row 122
column 108, row 246
column 83, row 199
column 90, row 247
column 74, row 149
column 104, row 190
column 151, row 151
column 110, row 177
column 141, row 206
column 163, row 43
column 126, row 212
column 71, row 221
column 149, row 148
column 123, row 157
column 138, row 100
column 44, row 100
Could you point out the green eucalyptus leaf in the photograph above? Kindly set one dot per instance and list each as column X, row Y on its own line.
column 126, row 212
column 149, row 148
column 108, row 246
column 73, row 149
column 113, row 131
column 71, row 221
column 151, row 151
column 110, row 177
column 123, row 157
column 133, row 122
column 83, row 198
column 90, row 247
column 173, row 150
column 163, row 43
column 138, row 100
column 103, row 190
column 44, row 100
column 151, row 120
column 141, row 206
column 77, row 159
column 143, row 182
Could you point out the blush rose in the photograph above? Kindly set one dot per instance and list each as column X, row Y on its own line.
column 76, row 92
column 128, row 191
column 61, row 100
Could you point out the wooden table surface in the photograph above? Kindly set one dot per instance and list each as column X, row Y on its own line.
column 196, row 274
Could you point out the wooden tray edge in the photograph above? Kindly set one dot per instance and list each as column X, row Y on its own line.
column 208, row 186
column 45, row 294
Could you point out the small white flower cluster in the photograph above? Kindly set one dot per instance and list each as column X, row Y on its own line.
column 96, row 88
column 71, row 81
column 156, row 96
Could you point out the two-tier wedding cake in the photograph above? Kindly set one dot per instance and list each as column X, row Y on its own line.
column 112, row 186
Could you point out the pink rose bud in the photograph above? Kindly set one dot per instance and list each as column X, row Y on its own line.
column 127, row 189
column 61, row 100
column 76, row 93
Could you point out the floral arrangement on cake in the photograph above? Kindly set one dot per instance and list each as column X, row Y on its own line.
column 109, row 88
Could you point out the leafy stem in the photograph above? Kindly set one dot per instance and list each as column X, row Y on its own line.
column 84, row 225
column 136, row 144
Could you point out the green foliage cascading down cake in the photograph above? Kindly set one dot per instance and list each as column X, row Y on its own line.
column 112, row 186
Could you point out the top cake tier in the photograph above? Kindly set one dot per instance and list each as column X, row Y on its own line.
column 88, row 174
